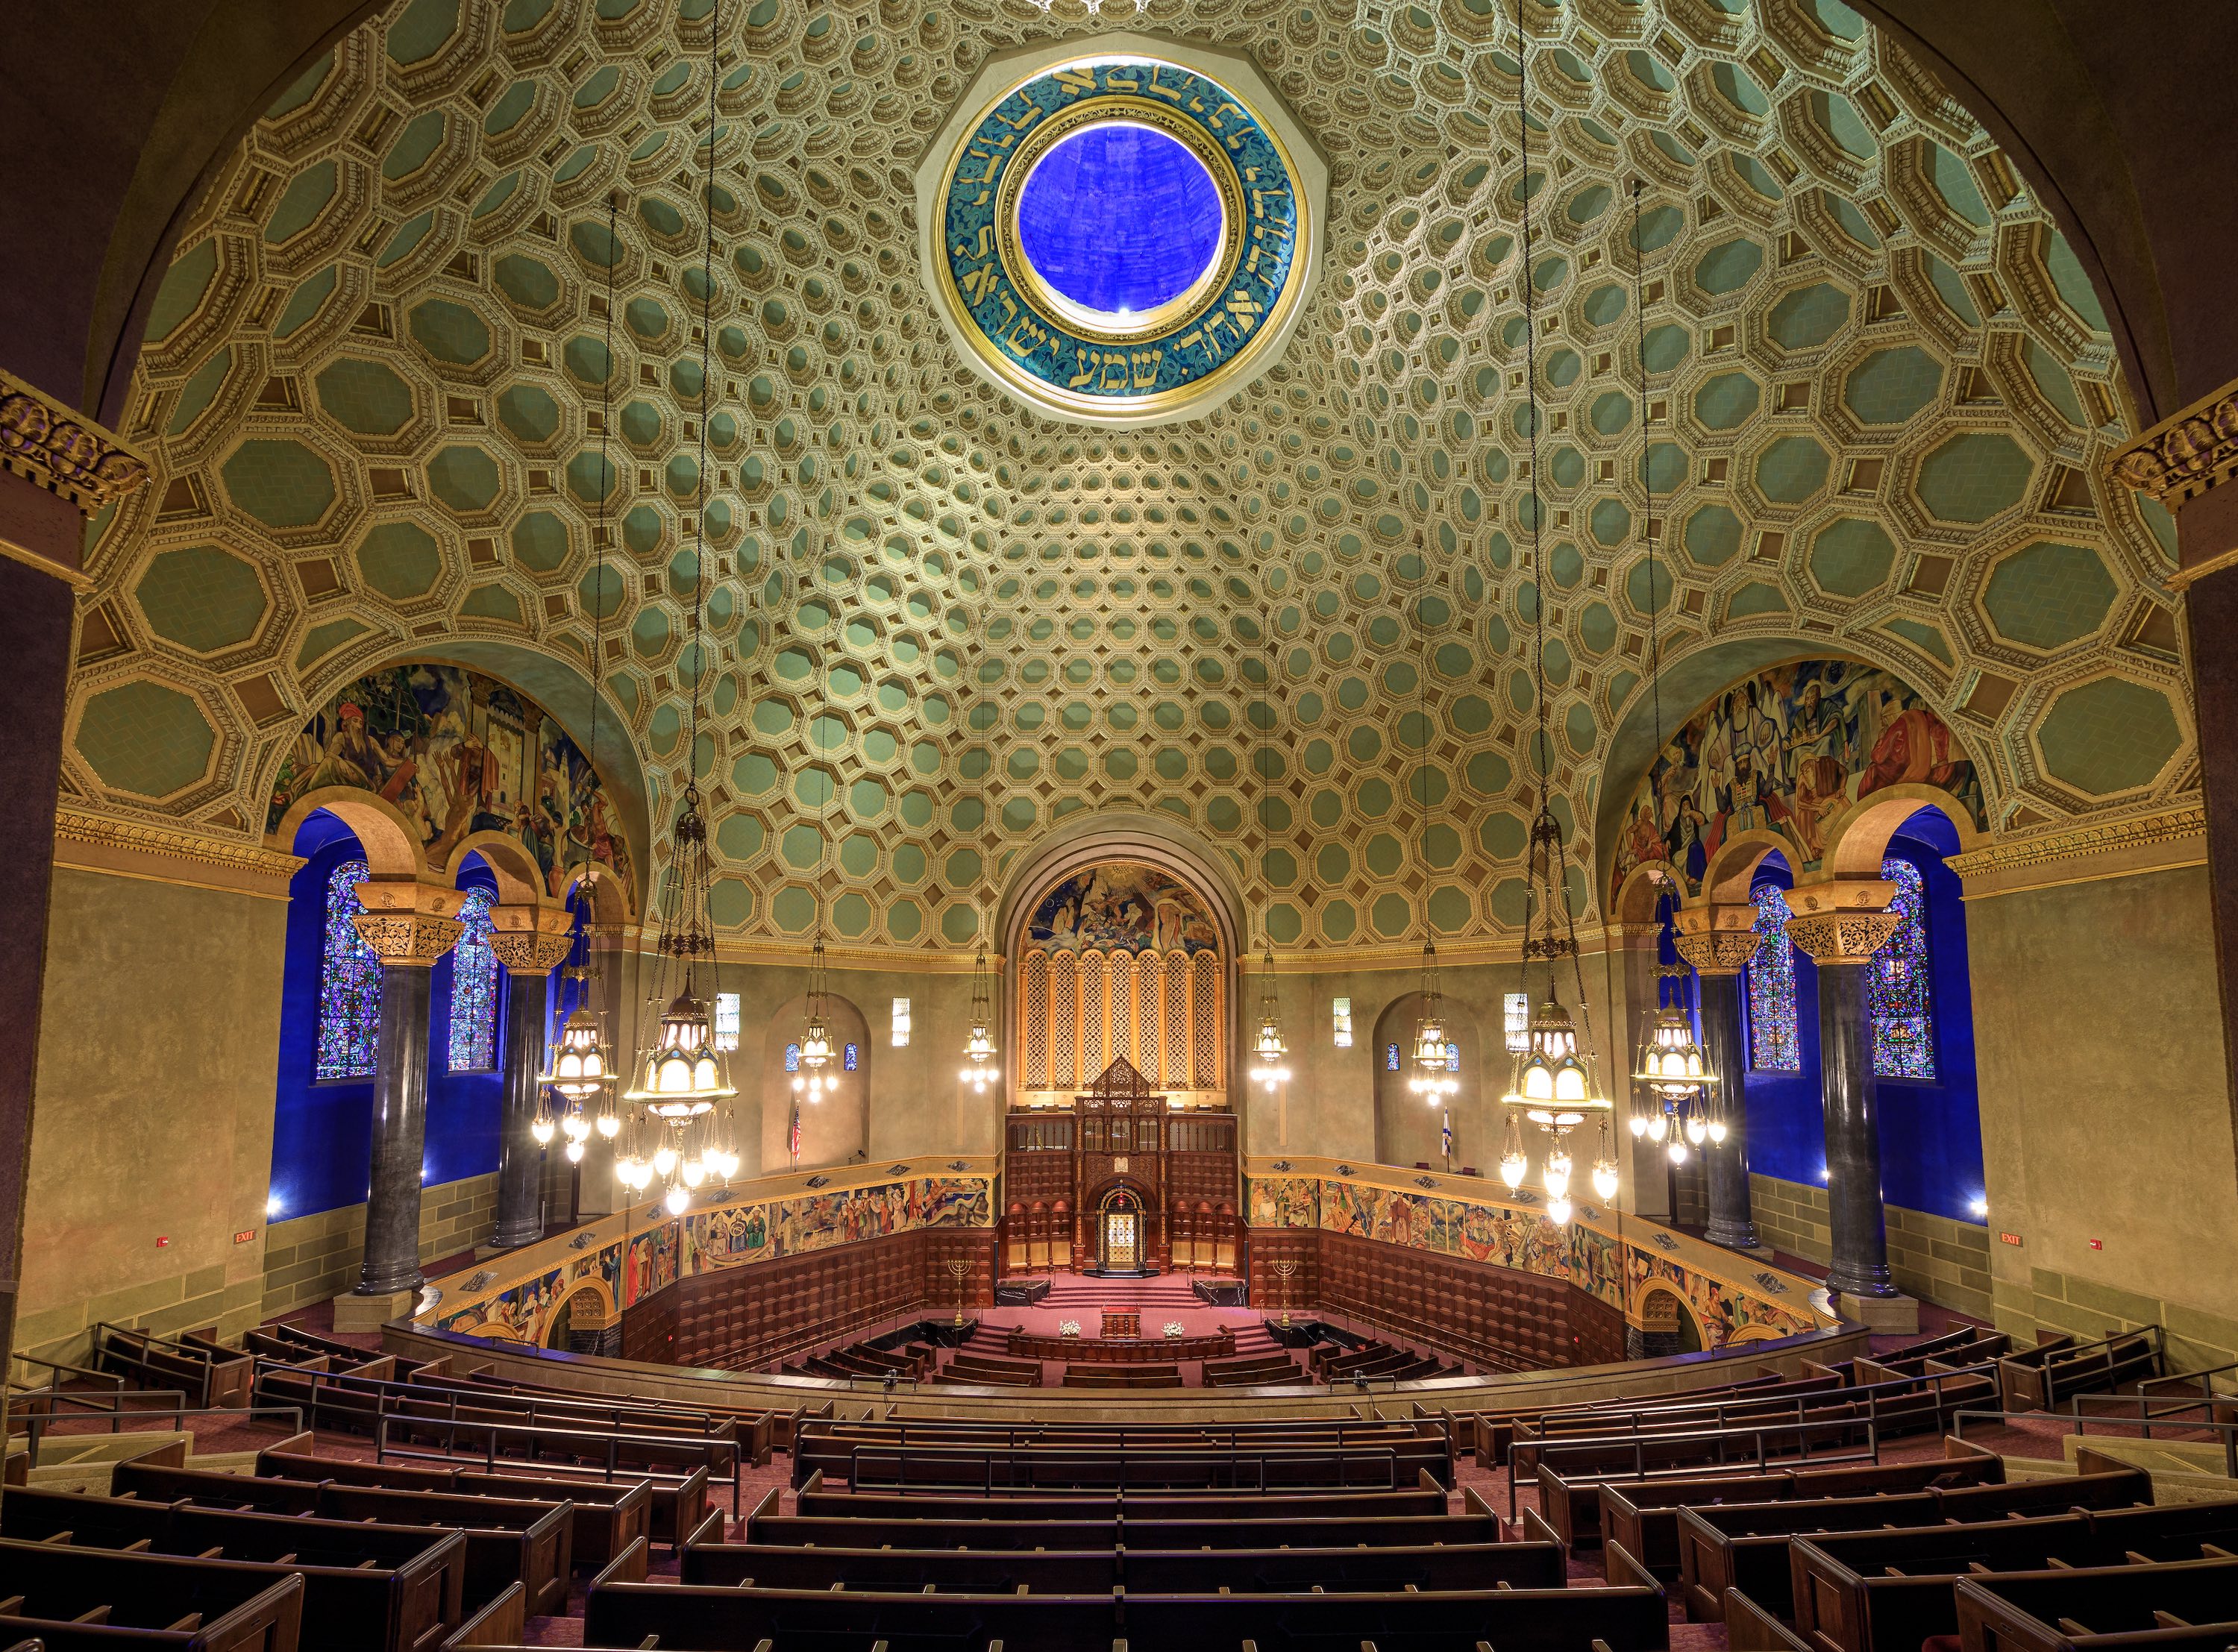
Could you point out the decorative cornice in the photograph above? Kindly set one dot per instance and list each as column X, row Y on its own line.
column 170, row 854
column 63, row 451
column 2186, row 453
column 2078, row 842
column 2162, row 840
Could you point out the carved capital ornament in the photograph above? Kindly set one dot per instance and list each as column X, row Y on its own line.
column 408, row 924
column 531, row 941
column 1844, row 922
column 2185, row 454
column 1716, row 940
column 62, row 451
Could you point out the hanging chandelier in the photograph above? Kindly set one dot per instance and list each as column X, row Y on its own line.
column 683, row 1072
column 983, row 1066
column 1551, row 1086
column 1671, row 1069
column 1432, row 1075
column 818, row 1076
column 1269, row 1052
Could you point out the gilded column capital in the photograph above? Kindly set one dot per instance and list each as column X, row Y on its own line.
column 530, row 939
column 1717, row 940
column 62, row 450
column 408, row 923
column 1844, row 922
column 2186, row 453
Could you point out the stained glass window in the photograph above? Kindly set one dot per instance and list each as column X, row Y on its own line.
column 850, row 1058
column 1774, row 1045
column 792, row 1057
column 1452, row 1057
column 473, row 988
column 1390, row 1058
column 349, row 983
column 1904, row 1012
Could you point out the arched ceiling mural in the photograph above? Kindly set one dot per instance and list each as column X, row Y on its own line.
column 1881, row 389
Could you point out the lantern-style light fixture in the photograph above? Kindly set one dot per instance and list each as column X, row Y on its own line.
column 1432, row 1076
column 819, row 1072
column 981, row 1066
column 1269, row 1054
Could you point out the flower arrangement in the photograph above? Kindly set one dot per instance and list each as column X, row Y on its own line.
column 1067, row 1328
column 1173, row 1327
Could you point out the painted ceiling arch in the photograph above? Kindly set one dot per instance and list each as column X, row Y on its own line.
column 1881, row 394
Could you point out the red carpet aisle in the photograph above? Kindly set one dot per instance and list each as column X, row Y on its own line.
column 1166, row 1300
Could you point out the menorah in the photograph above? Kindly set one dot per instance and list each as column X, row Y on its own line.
column 959, row 1271
column 1283, row 1270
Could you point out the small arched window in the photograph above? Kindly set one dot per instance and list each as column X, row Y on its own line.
column 349, row 983
column 1903, row 1004
column 473, row 988
column 1774, row 1043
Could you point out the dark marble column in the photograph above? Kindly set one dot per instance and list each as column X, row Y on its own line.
column 1732, row 1217
column 408, row 926
column 1839, row 926
column 400, row 1132
column 519, row 1161
column 531, row 942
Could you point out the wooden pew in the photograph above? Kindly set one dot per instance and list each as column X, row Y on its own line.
column 1252, row 1371
column 1428, row 1498
column 1123, row 1377
column 196, row 1606
column 1745, row 1546
column 2039, row 1378
column 381, row 1589
column 1244, row 1531
column 607, row 1516
column 1252, row 1468
column 148, row 1361
column 991, row 1370
column 1643, row 1515
column 507, row 1540
column 753, row 1432
column 2192, row 1604
column 1140, row 1571
column 1550, row 1620
column 757, row 1429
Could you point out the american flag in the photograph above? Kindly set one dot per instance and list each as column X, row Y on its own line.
column 796, row 1132
column 1448, row 1132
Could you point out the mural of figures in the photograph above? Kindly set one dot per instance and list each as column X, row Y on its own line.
column 1123, row 907
column 458, row 753
column 1785, row 751
column 1513, row 1237
column 655, row 1256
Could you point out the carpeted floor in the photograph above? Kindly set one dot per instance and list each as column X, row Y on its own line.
column 1079, row 1300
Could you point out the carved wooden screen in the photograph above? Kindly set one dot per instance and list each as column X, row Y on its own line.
column 1161, row 1012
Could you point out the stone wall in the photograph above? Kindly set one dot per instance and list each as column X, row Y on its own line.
column 1931, row 1257
column 313, row 1258
column 151, row 1133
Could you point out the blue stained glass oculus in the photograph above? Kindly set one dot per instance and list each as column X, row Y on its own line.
column 1775, row 1045
column 1120, row 218
column 473, row 987
column 349, row 983
column 1904, row 1012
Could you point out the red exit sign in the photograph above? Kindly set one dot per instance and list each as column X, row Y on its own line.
column 244, row 1236
column 2010, row 1239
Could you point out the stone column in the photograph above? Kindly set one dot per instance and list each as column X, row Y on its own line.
column 408, row 925
column 1719, row 941
column 1839, row 927
column 531, row 942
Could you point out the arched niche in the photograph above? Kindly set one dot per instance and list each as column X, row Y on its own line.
column 836, row 1130
column 1667, row 1321
column 1797, row 755
column 1409, row 1132
column 1124, row 839
column 544, row 802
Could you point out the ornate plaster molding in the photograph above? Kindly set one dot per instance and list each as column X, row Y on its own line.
column 1842, row 923
column 2161, row 840
column 407, row 922
column 2186, row 453
column 170, row 854
column 1717, row 940
column 63, row 451
column 531, row 952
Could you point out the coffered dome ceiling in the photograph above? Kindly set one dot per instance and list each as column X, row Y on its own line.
column 1881, row 389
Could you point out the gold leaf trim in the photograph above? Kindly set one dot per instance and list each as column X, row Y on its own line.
column 2080, row 843
column 63, row 451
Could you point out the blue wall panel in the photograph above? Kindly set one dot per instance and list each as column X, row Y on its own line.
column 1931, row 1133
column 321, row 1132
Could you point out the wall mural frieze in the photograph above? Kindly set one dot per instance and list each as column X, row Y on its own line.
column 1601, row 1251
column 636, row 1253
